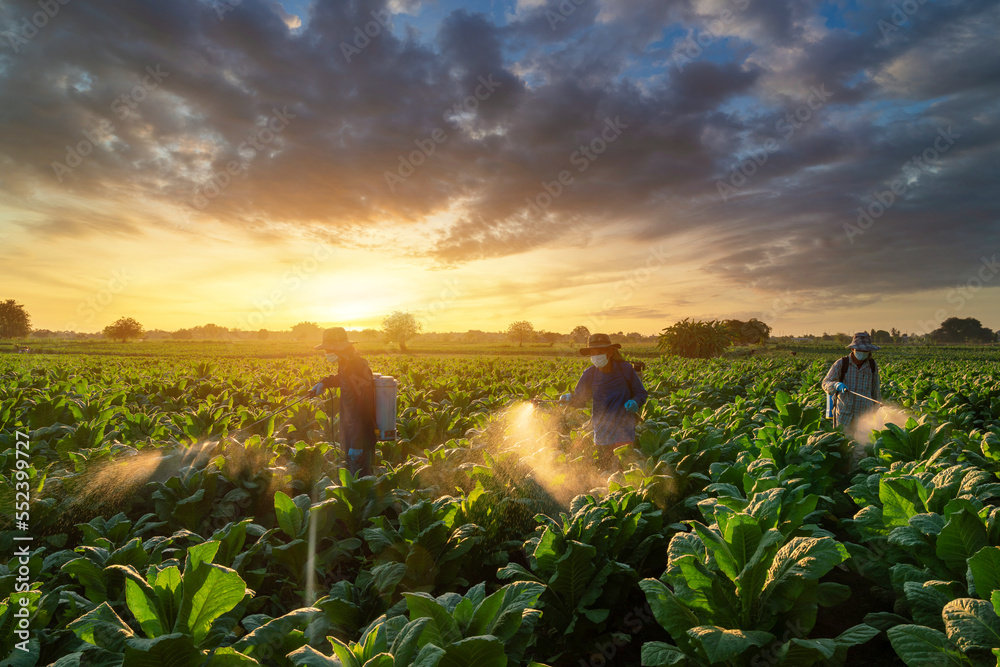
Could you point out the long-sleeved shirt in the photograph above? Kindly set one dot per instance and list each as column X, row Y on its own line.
column 859, row 380
column 609, row 392
column 357, row 403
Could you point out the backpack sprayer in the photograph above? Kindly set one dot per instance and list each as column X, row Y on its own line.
column 385, row 406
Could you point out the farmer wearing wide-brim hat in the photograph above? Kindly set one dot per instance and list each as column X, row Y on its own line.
column 358, row 429
column 617, row 394
column 852, row 377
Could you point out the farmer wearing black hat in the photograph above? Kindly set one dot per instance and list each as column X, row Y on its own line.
column 852, row 378
column 358, row 430
column 617, row 393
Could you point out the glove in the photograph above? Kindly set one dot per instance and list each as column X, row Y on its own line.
column 839, row 388
column 566, row 398
column 316, row 391
column 631, row 406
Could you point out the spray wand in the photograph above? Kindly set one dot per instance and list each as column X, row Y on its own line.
column 830, row 402
column 866, row 398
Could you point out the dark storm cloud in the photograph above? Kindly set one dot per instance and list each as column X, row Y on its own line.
column 516, row 159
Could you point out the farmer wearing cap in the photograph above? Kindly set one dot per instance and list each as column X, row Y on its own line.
column 617, row 393
column 852, row 377
column 357, row 399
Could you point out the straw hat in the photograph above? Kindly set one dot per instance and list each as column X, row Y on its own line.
column 863, row 342
column 335, row 340
column 598, row 343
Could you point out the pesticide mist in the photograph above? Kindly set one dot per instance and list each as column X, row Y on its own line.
column 862, row 428
column 559, row 465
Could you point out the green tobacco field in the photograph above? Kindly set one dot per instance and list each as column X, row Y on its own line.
column 743, row 530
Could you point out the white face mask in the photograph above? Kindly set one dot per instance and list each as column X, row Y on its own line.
column 860, row 356
column 600, row 360
column 331, row 357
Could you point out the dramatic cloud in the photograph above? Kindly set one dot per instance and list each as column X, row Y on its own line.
column 820, row 147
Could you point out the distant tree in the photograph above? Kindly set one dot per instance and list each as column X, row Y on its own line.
column 751, row 332
column 214, row 331
column 520, row 331
column 694, row 339
column 882, row 337
column 368, row 334
column 262, row 334
column 124, row 329
column 580, row 334
column 474, row 336
column 550, row 337
column 14, row 320
column 42, row 333
column 399, row 327
column 307, row 331
column 962, row 330
column 634, row 337
column 181, row 334
column 894, row 332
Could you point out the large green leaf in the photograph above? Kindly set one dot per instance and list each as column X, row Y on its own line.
column 504, row 620
column 721, row 644
column 962, row 536
column 803, row 652
column 145, row 606
column 806, row 558
column 485, row 651
column 289, row 516
column 307, row 656
column 857, row 634
column 406, row 642
column 230, row 657
column 209, row 592
column 660, row 654
column 90, row 575
column 719, row 549
column 574, row 571
column 921, row 646
column 743, row 535
column 972, row 624
column 277, row 632
column 900, row 500
column 103, row 628
column 173, row 650
column 167, row 584
column 429, row 656
column 985, row 568
column 669, row 612
column 344, row 653
column 926, row 603
column 442, row 628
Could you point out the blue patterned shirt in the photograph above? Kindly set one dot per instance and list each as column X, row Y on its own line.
column 609, row 392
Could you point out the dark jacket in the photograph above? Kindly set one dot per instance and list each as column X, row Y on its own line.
column 357, row 403
column 609, row 392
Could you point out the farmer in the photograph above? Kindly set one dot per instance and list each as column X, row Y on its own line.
column 357, row 399
column 616, row 391
column 853, row 377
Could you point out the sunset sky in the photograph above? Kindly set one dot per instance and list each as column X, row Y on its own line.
column 620, row 164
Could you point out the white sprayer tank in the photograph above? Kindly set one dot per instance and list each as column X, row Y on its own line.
column 385, row 406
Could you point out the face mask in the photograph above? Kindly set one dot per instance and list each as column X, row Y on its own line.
column 861, row 356
column 331, row 357
column 601, row 360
